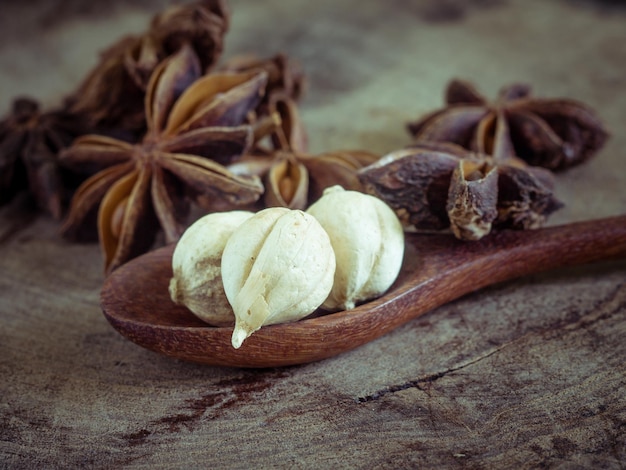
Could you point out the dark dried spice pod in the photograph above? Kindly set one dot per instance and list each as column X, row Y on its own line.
column 111, row 96
column 286, row 77
column 525, row 197
column 551, row 133
column 415, row 183
column 202, row 24
column 194, row 122
column 30, row 140
column 472, row 199
column 335, row 167
column 436, row 186
column 293, row 177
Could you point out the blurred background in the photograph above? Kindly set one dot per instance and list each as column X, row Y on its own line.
column 371, row 66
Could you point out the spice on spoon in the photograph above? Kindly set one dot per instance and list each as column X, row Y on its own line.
column 277, row 266
column 434, row 186
column 368, row 241
column 197, row 267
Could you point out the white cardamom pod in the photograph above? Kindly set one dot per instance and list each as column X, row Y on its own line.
column 368, row 240
column 277, row 267
column 197, row 280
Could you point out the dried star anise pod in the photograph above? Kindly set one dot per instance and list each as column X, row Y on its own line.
column 294, row 178
column 194, row 127
column 551, row 133
column 108, row 97
column 433, row 186
column 30, row 140
column 202, row 25
column 285, row 76
column 111, row 96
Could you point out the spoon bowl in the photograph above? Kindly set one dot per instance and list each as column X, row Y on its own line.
column 436, row 270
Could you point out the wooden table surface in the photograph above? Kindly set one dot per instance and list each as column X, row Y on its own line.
column 529, row 373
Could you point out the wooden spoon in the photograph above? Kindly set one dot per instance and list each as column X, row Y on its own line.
column 437, row 269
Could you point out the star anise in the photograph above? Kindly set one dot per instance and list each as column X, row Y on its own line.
column 202, row 25
column 111, row 96
column 433, row 186
column 30, row 140
column 293, row 177
column 552, row 133
column 194, row 127
column 285, row 76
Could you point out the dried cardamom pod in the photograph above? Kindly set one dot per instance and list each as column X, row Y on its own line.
column 196, row 266
column 368, row 240
column 278, row 266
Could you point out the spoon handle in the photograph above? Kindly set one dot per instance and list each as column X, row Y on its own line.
column 439, row 269
column 514, row 254
column 451, row 268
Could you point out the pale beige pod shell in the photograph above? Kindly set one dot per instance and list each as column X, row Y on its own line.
column 368, row 240
column 196, row 266
column 277, row 267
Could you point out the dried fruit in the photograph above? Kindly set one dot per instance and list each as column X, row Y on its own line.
column 433, row 186
column 277, row 266
column 294, row 178
column 202, row 25
column 196, row 267
column 111, row 97
column 194, row 126
column 285, row 76
column 472, row 199
column 30, row 140
column 368, row 240
column 551, row 133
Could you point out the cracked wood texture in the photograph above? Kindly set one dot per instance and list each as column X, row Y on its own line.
column 529, row 373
